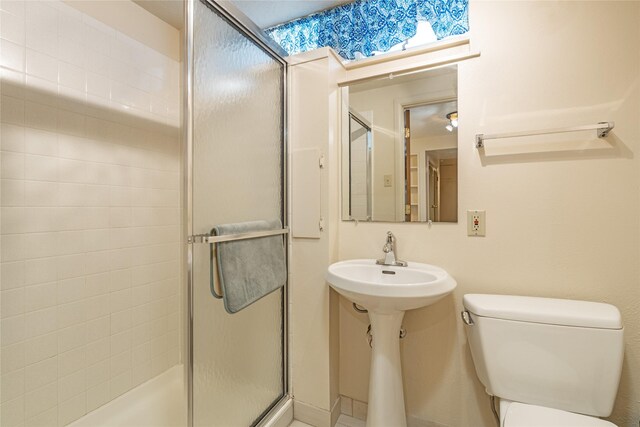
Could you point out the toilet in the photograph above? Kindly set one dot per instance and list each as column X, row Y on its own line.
column 548, row 362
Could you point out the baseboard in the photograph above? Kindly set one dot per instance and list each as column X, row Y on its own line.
column 282, row 416
column 335, row 412
column 413, row 421
column 312, row 415
column 355, row 412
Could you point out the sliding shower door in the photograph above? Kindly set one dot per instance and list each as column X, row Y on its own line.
column 237, row 166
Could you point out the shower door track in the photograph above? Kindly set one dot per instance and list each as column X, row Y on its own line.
column 245, row 26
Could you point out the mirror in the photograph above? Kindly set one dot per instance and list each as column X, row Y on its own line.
column 360, row 136
column 400, row 148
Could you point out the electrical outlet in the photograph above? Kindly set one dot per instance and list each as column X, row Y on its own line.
column 387, row 180
column 476, row 223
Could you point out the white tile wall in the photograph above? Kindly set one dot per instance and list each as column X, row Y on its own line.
column 90, row 212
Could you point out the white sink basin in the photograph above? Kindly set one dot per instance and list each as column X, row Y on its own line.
column 385, row 289
column 387, row 292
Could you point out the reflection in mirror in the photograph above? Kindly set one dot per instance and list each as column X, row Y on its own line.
column 359, row 167
column 442, row 185
column 434, row 162
column 399, row 148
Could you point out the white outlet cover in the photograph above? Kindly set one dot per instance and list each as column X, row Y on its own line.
column 476, row 223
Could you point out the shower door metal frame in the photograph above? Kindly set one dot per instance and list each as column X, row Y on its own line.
column 249, row 29
column 353, row 115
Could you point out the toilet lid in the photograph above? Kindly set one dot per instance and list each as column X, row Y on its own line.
column 522, row 415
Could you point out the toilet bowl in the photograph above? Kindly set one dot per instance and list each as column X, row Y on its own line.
column 517, row 414
column 549, row 362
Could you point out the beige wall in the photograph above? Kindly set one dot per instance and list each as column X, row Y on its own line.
column 442, row 142
column 90, row 213
column 559, row 223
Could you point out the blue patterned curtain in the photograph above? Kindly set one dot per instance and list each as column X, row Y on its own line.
column 366, row 26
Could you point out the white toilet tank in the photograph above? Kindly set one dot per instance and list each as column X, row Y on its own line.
column 562, row 354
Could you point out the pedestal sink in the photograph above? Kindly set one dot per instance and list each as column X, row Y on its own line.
column 387, row 292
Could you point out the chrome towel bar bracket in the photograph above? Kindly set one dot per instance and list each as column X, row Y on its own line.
column 210, row 238
column 602, row 128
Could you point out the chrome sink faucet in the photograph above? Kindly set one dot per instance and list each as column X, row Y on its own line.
column 389, row 253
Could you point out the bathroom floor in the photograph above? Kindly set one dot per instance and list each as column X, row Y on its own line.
column 343, row 421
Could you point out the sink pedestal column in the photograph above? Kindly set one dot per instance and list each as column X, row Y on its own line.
column 386, row 396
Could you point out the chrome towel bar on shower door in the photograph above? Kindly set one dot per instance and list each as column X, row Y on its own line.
column 603, row 129
column 210, row 238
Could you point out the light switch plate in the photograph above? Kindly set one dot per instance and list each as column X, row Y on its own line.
column 476, row 222
column 387, row 181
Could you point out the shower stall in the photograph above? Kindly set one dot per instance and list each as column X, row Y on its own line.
column 236, row 170
column 118, row 146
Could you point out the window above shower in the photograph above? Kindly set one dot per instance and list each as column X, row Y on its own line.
column 365, row 28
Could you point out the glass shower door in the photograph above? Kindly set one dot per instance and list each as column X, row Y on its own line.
column 237, row 175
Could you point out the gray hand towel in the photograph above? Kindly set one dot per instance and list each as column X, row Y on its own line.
column 250, row 269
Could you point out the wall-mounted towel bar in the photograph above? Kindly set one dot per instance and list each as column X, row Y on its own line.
column 603, row 129
column 210, row 238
